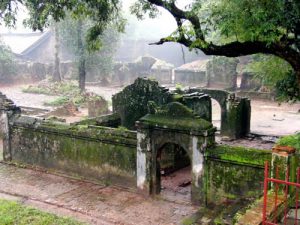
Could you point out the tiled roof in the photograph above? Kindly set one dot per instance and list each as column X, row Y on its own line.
column 22, row 43
column 196, row 66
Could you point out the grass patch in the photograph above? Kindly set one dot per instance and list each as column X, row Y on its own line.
column 67, row 90
column 54, row 88
column 58, row 101
column 290, row 140
column 12, row 213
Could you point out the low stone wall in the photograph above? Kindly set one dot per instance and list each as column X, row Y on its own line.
column 256, row 95
column 234, row 173
column 192, row 78
column 105, row 154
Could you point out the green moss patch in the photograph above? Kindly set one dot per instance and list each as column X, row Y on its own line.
column 240, row 155
column 176, row 123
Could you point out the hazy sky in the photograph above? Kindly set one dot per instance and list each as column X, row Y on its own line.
column 145, row 29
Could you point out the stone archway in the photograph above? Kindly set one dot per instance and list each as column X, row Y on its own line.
column 174, row 123
column 235, row 112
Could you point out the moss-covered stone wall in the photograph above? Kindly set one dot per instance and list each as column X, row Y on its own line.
column 104, row 154
column 132, row 103
column 234, row 173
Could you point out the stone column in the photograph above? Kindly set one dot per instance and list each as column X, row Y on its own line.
column 142, row 162
column 198, row 187
column 4, row 134
column 284, row 157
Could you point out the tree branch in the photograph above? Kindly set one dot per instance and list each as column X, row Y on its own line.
column 180, row 14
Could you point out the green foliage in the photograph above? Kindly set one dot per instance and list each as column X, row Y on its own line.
column 14, row 213
column 290, row 140
column 269, row 69
column 247, row 20
column 276, row 74
column 235, row 27
column 178, row 87
column 102, row 13
column 288, row 89
column 58, row 102
column 53, row 88
column 98, row 56
column 142, row 7
column 7, row 68
column 68, row 92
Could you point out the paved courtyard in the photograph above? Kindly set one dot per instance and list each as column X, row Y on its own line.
column 86, row 201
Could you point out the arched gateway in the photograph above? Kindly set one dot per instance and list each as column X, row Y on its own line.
column 173, row 123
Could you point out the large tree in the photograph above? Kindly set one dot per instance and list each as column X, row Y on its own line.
column 249, row 26
column 244, row 26
column 72, row 36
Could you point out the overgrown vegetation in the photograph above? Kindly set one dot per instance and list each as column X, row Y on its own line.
column 96, row 64
column 7, row 68
column 275, row 74
column 67, row 88
column 290, row 140
column 14, row 213
column 67, row 91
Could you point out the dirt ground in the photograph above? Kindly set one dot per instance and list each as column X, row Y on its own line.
column 177, row 185
column 268, row 118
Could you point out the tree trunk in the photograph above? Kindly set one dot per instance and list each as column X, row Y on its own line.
column 81, row 64
column 56, row 72
column 82, row 73
column 298, row 79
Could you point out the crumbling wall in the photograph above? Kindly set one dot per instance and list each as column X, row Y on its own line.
column 235, row 112
column 104, row 154
column 132, row 103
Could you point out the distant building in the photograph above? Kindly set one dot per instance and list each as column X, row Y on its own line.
column 33, row 46
column 193, row 73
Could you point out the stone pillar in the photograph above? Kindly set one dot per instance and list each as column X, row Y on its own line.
column 4, row 134
column 198, row 187
column 7, row 112
column 284, row 157
column 143, row 168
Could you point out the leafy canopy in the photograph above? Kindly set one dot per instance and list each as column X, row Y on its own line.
column 101, row 60
column 234, row 27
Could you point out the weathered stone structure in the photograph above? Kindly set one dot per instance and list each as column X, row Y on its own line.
column 98, row 148
column 173, row 123
column 132, row 103
column 235, row 112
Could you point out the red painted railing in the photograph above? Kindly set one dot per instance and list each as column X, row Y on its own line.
column 273, row 203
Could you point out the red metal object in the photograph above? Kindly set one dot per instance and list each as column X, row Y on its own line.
column 285, row 184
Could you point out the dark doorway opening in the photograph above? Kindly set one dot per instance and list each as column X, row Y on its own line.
column 173, row 173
